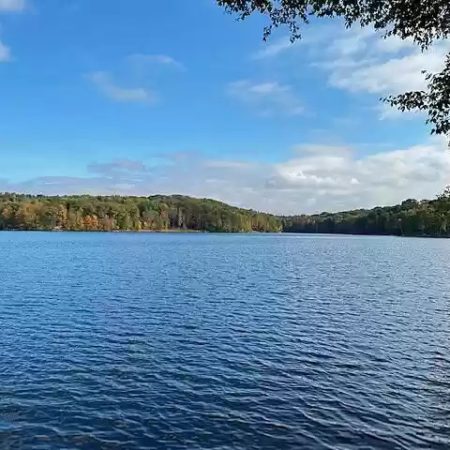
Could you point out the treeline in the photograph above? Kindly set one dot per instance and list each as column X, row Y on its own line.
column 176, row 212
column 411, row 218
column 117, row 213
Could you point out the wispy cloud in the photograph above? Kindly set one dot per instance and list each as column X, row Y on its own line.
column 9, row 6
column 5, row 53
column 266, row 98
column 109, row 88
column 143, row 59
column 386, row 112
column 376, row 72
column 12, row 5
column 118, row 167
column 270, row 50
column 361, row 60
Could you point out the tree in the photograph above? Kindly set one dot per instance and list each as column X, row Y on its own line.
column 425, row 22
column 87, row 213
column 445, row 196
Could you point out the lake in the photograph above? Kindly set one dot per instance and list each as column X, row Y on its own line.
column 206, row 341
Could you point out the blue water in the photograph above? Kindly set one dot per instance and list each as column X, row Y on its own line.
column 202, row 341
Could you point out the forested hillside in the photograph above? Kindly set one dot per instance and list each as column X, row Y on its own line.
column 155, row 213
column 411, row 218
column 176, row 212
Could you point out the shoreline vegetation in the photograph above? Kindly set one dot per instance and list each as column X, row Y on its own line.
column 178, row 213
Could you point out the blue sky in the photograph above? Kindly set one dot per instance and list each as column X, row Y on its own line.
column 100, row 96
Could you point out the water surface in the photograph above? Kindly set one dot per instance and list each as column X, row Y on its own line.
column 203, row 341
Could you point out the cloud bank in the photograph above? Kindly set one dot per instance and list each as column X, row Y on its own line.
column 315, row 178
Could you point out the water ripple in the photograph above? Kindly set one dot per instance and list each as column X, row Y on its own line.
column 137, row 341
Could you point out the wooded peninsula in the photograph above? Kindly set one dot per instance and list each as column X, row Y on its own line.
column 182, row 213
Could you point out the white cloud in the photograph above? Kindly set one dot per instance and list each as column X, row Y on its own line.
column 5, row 53
column 12, row 5
column 266, row 98
column 333, row 181
column 106, row 85
column 350, row 42
column 314, row 179
column 361, row 60
column 394, row 44
column 388, row 76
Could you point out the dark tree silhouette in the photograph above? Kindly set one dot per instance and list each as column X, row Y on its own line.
column 423, row 21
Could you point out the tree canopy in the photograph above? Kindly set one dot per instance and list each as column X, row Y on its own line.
column 425, row 22
column 410, row 218
column 177, row 212
column 118, row 213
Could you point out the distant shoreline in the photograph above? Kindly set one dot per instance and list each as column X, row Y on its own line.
column 183, row 214
column 177, row 231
